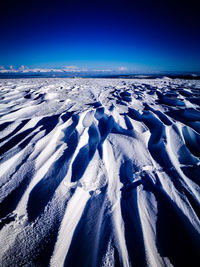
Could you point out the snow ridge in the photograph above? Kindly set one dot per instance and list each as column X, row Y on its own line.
column 99, row 172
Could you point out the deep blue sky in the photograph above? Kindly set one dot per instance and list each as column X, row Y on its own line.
column 140, row 35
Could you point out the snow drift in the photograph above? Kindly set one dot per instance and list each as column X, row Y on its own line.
column 99, row 172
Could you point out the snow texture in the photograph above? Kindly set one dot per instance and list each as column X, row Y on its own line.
column 99, row 172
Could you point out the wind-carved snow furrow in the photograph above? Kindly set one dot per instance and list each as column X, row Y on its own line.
column 69, row 223
column 51, row 174
column 114, row 196
column 99, row 172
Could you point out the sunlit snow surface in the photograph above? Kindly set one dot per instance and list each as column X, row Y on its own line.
column 99, row 172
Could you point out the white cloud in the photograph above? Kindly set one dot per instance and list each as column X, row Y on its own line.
column 101, row 70
column 22, row 67
column 122, row 68
column 71, row 68
column 43, row 70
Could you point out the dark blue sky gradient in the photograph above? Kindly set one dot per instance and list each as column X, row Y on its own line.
column 140, row 35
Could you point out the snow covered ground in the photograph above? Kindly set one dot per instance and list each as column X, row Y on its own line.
column 99, row 172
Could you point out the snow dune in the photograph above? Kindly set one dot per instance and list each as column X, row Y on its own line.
column 99, row 172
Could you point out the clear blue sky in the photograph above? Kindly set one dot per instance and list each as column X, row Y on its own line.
column 139, row 35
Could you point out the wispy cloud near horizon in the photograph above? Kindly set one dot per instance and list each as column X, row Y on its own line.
column 76, row 70
column 122, row 68
column 68, row 68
